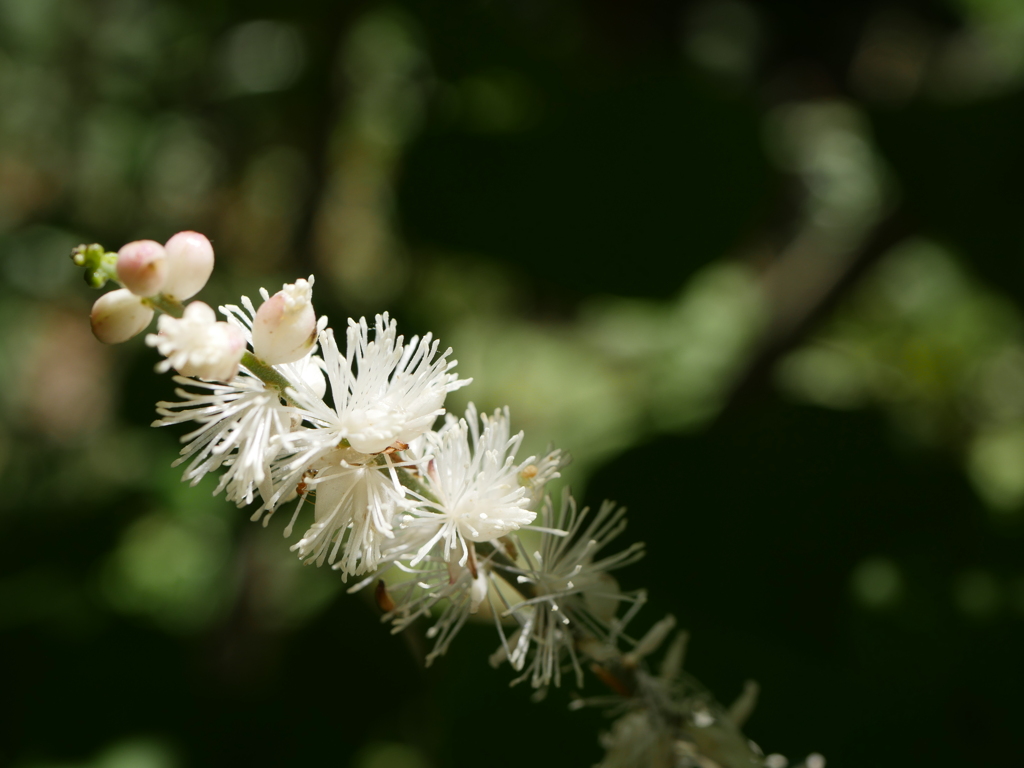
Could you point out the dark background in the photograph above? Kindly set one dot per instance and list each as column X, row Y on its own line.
column 758, row 266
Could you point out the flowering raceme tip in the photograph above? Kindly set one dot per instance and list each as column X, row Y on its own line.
column 439, row 510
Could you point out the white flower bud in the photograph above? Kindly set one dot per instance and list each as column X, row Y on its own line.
column 197, row 345
column 284, row 329
column 119, row 315
column 189, row 264
column 142, row 267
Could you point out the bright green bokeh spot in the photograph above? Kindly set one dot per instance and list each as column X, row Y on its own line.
column 877, row 583
column 169, row 569
column 996, row 466
column 130, row 753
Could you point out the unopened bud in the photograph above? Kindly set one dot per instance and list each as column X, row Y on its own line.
column 100, row 266
column 119, row 315
column 197, row 345
column 284, row 329
column 189, row 264
column 142, row 267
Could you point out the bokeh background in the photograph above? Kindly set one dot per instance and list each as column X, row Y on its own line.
column 758, row 266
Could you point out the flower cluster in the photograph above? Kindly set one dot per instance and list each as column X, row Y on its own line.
column 439, row 510
column 283, row 412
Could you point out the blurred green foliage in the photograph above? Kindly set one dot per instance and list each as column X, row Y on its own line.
column 661, row 231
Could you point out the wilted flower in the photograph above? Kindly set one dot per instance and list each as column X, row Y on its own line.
column 635, row 740
column 574, row 596
column 433, row 581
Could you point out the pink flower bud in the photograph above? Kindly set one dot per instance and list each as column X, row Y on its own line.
column 197, row 345
column 189, row 264
column 142, row 267
column 284, row 329
column 119, row 315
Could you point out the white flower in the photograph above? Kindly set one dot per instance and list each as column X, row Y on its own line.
column 472, row 485
column 244, row 425
column 198, row 345
column 385, row 392
column 356, row 500
column 284, row 328
column 574, row 596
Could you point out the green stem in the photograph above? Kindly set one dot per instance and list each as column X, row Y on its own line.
column 267, row 374
column 406, row 478
column 165, row 304
column 101, row 267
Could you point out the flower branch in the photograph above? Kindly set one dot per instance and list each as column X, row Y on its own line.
column 431, row 507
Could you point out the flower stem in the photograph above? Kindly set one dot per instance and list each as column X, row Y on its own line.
column 406, row 478
column 267, row 375
column 101, row 268
column 165, row 304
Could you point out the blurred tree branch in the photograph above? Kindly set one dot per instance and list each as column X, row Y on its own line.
column 807, row 303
